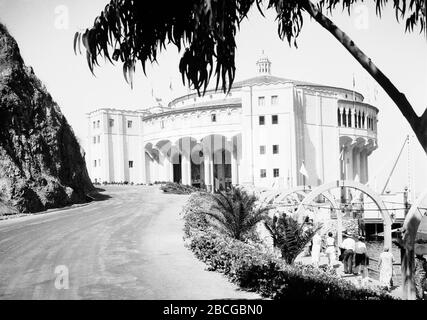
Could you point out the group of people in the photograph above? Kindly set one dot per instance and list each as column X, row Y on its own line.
column 354, row 256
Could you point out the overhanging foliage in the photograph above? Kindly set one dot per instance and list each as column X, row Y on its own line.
column 136, row 31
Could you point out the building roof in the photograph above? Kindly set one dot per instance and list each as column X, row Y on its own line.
column 267, row 79
column 200, row 107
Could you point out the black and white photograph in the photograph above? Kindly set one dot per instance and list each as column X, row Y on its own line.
column 235, row 152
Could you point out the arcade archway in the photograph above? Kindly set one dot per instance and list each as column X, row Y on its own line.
column 324, row 188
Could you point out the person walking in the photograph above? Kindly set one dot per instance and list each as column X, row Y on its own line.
column 330, row 249
column 315, row 249
column 385, row 265
column 349, row 246
column 360, row 257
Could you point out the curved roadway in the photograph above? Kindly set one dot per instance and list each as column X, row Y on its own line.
column 127, row 247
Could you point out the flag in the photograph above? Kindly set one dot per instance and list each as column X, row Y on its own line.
column 356, row 178
column 303, row 170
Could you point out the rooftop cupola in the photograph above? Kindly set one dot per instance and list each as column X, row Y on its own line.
column 263, row 65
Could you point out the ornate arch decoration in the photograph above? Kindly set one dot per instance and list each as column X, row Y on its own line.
column 302, row 191
column 375, row 197
column 289, row 192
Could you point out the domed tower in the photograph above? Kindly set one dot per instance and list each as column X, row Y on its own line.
column 263, row 65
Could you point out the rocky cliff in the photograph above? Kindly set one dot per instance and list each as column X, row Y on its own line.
column 41, row 162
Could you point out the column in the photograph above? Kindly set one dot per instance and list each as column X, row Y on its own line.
column 168, row 168
column 162, row 167
column 234, row 170
column 148, row 170
column 184, row 170
column 189, row 170
column 212, row 173
column 364, row 120
column 156, row 170
column 207, row 171
column 348, row 158
column 356, row 163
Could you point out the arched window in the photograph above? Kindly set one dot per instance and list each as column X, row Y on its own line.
column 349, row 117
column 355, row 119
column 363, row 119
column 359, row 120
column 339, row 117
column 344, row 117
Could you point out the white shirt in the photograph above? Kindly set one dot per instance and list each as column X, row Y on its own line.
column 330, row 241
column 317, row 240
column 360, row 247
column 349, row 244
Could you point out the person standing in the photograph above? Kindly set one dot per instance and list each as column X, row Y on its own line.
column 360, row 257
column 315, row 249
column 330, row 249
column 349, row 246
column 420, row 275
column 385, row 265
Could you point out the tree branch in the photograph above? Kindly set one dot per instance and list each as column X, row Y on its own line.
column 398, row 98
column 424, row 119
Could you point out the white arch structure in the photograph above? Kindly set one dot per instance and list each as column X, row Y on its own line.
column 409, row 233
column 324, row 188
column 299, row 190
column 280, row 195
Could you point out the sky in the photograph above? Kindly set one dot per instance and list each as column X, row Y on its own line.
column 44, row 30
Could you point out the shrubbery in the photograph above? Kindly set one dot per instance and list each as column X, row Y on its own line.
column 176, row 188
column 250, row 266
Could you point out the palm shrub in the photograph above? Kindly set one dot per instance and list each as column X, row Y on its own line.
column 235, row 212
column 289, row 236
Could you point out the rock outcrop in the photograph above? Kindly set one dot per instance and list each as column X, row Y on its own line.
column 41, row 162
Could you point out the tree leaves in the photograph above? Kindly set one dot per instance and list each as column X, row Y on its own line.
column 236, row 212
column 204, row 30
column 413, row 10
column 289, row 236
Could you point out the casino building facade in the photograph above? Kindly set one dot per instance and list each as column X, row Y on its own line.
column 261, row 133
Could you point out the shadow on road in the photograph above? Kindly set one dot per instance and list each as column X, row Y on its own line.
column 97, row 195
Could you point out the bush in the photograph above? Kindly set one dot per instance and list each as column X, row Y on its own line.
column 252, row 268
column 176, row 188
column 255, row 270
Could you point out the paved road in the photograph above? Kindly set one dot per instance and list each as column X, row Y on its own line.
column 127, row 247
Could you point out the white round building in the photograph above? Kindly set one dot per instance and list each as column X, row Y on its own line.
column 261, row 133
